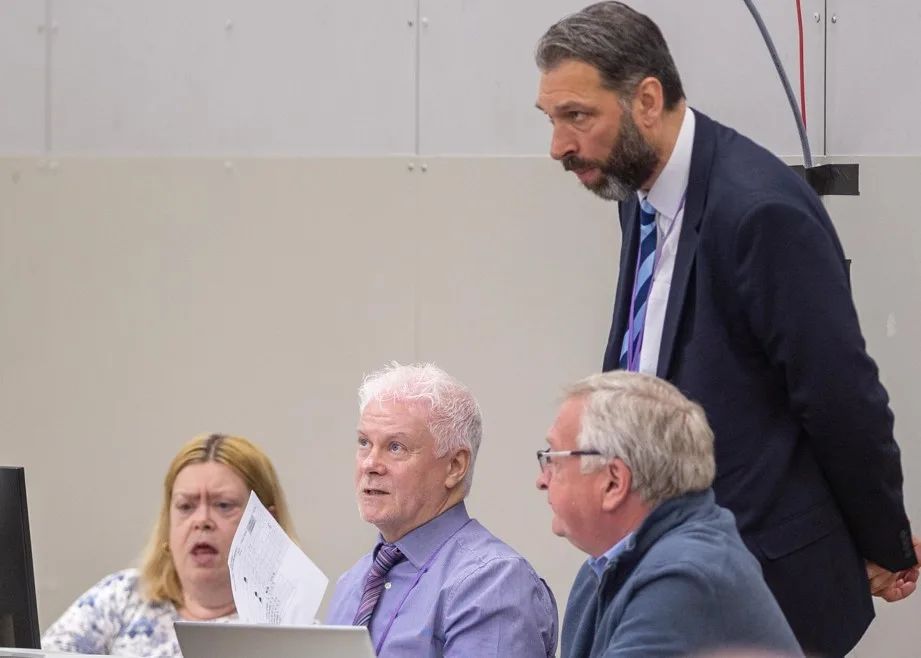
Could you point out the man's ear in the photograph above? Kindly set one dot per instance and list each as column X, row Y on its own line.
column 617, row 485
column 648, row 102
column 458, row 466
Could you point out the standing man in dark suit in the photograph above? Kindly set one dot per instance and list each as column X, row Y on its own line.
column 733, row 286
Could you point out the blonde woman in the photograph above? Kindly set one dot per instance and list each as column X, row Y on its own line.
column 184, row 573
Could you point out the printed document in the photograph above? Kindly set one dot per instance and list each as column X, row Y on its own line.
column 273, row 581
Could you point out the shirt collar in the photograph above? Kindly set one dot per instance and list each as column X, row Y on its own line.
column 600, row 564
column 419, row 544
column 667, row 192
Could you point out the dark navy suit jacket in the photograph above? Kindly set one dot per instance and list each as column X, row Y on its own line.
column 761, row 330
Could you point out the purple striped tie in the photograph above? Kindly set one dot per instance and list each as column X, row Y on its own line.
column 387, row 556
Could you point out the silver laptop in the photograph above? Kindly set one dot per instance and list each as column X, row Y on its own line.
column 234, row 640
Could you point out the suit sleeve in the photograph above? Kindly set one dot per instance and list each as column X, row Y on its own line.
column 793, row 287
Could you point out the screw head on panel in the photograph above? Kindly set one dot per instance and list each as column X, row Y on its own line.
column 228, row 166
column 410, row 22
column 410, row 166
column 425, row 22
column 425, row 168
column 834, row 18
column 817, row 17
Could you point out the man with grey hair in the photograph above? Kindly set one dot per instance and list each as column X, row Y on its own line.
column 733, row 286
column 628, row 474
column 437, row 583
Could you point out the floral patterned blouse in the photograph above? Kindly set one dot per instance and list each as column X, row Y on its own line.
column 112, row 618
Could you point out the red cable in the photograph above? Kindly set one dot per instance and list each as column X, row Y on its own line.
column 802, row 61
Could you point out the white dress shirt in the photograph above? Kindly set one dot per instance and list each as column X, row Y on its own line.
column 667, row 197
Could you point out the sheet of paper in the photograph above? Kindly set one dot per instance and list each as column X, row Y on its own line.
column 273, row 581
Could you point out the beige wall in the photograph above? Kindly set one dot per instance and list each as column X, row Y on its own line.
column 144, row 301
column 147, row 301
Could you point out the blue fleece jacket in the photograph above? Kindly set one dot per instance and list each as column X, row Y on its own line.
column 684, row 583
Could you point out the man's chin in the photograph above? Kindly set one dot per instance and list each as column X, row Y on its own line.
column 373, row 515
column 557, row 528
column 609, row 189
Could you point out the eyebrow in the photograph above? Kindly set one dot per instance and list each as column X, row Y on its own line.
column 195, row 494
column 394, row 435
column 569, row 106
column 412, row 444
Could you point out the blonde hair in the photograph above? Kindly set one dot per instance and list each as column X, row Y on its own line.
column 159, row 579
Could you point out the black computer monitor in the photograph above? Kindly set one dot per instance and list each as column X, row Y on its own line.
column 18, row 607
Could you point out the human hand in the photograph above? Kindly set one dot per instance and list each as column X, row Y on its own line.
column 891, row 586
column 895, row 586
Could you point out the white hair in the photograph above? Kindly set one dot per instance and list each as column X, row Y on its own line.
column 453, row 415
column 661, row 435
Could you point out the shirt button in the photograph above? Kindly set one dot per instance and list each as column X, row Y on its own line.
column 387, row 585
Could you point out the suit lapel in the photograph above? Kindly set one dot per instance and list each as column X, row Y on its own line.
column 629, row 222
column 698, row 181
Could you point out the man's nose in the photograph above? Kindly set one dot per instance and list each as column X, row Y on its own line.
column 372, row 463
column 561, row 144
column 542, row 480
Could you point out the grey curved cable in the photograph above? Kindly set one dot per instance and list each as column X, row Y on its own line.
column 800, row 125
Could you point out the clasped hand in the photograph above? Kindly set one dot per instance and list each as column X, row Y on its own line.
column 895, row 586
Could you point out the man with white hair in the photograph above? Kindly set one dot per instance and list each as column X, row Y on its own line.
column 437, row 583
column 628, row 474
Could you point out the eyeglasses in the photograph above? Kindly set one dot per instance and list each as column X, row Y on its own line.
column 544, row 457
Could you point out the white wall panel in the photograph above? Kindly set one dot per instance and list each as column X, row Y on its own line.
column 147, row 300
column 518, row 268
column 874, row 93
column 22, row 77
column 234, row 76
column 880, row 235
column 478, row 80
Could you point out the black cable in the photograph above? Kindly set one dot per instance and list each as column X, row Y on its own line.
column 800, row 124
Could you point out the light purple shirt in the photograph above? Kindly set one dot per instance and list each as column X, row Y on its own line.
column 477, row 598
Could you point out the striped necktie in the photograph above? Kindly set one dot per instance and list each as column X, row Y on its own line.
column 387, row 556
column 641, row 287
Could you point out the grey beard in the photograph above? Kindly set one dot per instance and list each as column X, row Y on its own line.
column 611, row 188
